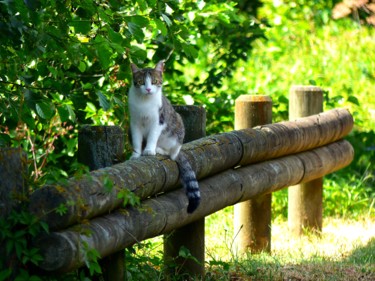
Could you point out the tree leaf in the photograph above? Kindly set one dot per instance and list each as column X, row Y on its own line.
column 189, row 50
column 89, row 7
column 166, row 19
column 103, row 101
column 141, row 21
column 161, row 27
column 5, row 140
column 115, row 37
column 44, row 109
column 142, row 4
column 81, row 26
column 104, row 54
column 4, row 274
column 66, row 113
column 136, row 31
column 353, row 100
column 151, row 3
column 82, row 66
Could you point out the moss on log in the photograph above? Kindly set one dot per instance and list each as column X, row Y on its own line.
column 65, row 250
column 91, row 195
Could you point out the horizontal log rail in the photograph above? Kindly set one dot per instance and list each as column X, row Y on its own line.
column 63, row 250
column 149, row 176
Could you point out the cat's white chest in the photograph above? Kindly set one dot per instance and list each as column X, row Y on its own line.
column 144, row 111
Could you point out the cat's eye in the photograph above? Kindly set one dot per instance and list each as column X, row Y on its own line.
column 155, row 81
column 139, row 82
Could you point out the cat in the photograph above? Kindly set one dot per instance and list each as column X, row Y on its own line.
column 157, row 128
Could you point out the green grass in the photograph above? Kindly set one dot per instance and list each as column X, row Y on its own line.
column 345, row 250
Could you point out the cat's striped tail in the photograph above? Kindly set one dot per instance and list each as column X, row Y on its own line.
column 189, row 182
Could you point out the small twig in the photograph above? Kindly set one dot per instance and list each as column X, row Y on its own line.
column 169, row 55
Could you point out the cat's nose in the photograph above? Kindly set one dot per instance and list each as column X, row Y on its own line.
column 148, row 90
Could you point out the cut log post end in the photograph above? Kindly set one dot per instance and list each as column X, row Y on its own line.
column 305, row 201
column 100, row 146
column 252, row 219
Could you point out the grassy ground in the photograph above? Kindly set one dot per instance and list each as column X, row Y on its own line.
column 344, row 251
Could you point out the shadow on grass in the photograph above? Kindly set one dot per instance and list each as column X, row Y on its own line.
column 359, row 265
column 364, row 255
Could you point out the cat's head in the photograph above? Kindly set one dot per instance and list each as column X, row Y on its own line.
column 148, row 81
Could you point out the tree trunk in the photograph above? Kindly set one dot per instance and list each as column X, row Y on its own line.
column 64, row 250
column 96, row 194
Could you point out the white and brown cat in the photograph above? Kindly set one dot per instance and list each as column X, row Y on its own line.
column 157, row 128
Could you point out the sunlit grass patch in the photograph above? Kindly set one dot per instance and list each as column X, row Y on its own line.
column 343, row 251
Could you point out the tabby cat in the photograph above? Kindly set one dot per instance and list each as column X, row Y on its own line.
column 157, row 128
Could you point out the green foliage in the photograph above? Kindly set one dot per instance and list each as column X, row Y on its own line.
column 91, row 259
column 355, row 194
column 64, row 64
column 143, row 262
column 128, row 198
column 17, row 253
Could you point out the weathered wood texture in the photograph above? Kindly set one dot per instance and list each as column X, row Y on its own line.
column 13, row 170
column 194, row 118
column 64, row 250
column 252, row 219
column 305, row 200
column 13, row 190
column 148, row 176
column 100, row 146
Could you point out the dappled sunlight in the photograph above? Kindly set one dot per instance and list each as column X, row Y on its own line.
column 338, row 239
column 341, row 252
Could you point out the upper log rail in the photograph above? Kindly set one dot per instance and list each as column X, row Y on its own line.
column 63, row 250
column 149, row 176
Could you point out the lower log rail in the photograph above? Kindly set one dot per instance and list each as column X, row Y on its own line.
column 63, row 251
column 148, row 176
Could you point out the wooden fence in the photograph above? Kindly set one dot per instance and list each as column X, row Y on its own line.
column 238, row 166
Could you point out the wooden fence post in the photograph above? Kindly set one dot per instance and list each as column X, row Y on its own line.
column 190, row 236
column 305, row 200
column 100, row 147
column 13, row 186
column 252, row 219
column 13, row 169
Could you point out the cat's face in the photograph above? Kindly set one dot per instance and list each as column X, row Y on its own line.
column 148, row 81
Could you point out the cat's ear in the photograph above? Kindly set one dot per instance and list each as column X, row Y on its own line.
column 135, row 68
column 160, row 66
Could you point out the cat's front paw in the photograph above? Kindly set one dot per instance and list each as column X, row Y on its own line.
column 135, row 155
column 149, row 152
